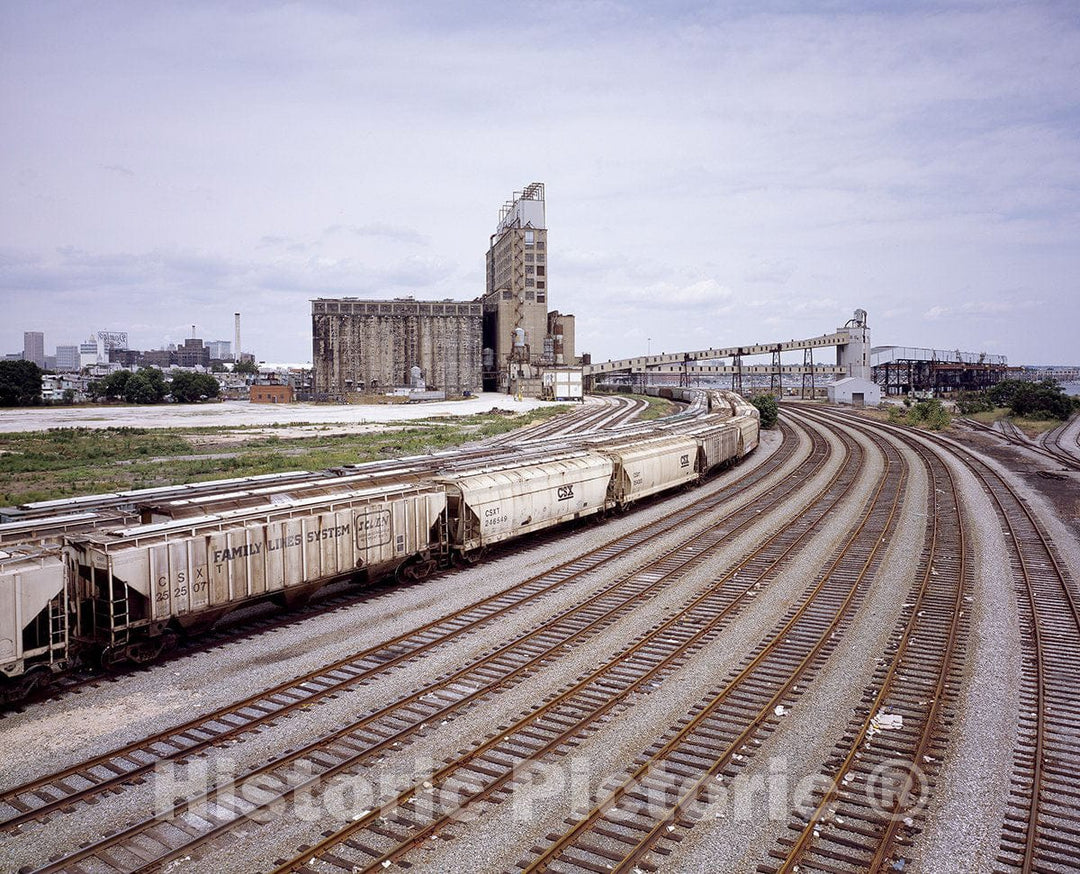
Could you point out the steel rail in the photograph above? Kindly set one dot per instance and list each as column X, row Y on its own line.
column 1034, row 557
column 696, row 554
column 682, row 810
column 951, row 575
column 1015, row 437
column 111, row 770
column 330, row 846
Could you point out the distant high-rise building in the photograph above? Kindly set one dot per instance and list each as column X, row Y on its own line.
column 220, row 350
column 34, row 347
column 67, row 359
column 92, row 352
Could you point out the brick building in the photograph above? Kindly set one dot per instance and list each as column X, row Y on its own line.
column 370, row 346
column 272, row 394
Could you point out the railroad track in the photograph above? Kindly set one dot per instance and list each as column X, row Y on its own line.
column 683, row 771
column 878, row 778
column 484, row 773
column 1041, row 831
column 1063, row 442
column 111, row 771
column 1046, row 446
column 1042, row 826
column 155, row 842
column 603, row 413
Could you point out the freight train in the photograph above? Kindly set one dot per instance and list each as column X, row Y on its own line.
column 129, row 587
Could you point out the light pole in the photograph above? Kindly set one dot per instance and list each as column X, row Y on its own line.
column 649, row 348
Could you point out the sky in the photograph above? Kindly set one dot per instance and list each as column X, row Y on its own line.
column 716, row 173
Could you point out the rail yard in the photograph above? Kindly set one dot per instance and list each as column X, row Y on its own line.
column 851, row 647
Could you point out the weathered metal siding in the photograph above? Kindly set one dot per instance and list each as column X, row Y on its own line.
column 26, row 588
column 184, row 576
column 509, row 503
column 650, row 468
column 718, row 443
column 370, row 346
column 750, row 427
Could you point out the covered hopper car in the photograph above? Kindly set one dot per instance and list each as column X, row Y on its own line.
column 126, row 589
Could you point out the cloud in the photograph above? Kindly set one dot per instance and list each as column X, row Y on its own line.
column 979, row 308
column 739, row 171
column 380, row 231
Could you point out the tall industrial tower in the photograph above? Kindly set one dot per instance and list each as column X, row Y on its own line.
column 516, row 334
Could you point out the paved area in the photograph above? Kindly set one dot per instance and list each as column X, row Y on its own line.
column 234, row 413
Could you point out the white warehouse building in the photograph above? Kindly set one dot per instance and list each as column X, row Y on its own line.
column 855, row 392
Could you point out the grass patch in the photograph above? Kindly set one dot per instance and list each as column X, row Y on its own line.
column 69, row 462
column 990, row 416
column 657, row 408
column 1031, row 427
column 1035, row 427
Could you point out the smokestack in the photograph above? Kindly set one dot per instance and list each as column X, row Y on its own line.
column 192, row 332
column 236, row 350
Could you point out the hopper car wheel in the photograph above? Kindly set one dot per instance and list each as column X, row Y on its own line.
column 148, row 650
column 468, row 559
column 111, row 656
column 11, row 692
column 415, row 569
column 37, row 679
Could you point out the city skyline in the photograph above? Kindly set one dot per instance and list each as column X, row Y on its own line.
column 714, row 176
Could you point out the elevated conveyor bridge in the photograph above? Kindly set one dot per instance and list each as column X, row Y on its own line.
column 690, row 365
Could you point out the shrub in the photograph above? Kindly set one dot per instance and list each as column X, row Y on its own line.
column 931, row 414
column 769, row 409
column 973, row 402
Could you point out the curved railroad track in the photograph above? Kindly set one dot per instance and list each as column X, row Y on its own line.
column 1063, row 442
column 111, row 771
column 878, row 778
column 1041, row 831
column 1053, row 444
column 399, row 826
column 601, row 412
column 354, row 745
column 869, row 817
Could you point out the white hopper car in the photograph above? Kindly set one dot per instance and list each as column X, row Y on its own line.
column 122, row 593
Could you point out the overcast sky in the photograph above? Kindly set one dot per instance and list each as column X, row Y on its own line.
column 716, row 173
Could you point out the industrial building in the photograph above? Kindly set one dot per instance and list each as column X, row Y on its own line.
column 901, row 370
column 855, row 391
column 503, row 341
column 220, row 350
column 371, row 347
column 520, row 336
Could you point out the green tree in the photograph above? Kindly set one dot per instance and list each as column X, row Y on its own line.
column 246, row 366
column 211, row 388
column 69, row 396
column 769, row 408
column 20, row 384
column 188, row 387
column 145, row 387
column 114, row 385
column 1035, row 400
column 968, row 402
